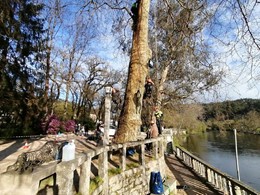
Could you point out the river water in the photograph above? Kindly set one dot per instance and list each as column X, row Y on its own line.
column 218, row 149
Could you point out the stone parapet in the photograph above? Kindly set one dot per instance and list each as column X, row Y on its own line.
column 75, row 176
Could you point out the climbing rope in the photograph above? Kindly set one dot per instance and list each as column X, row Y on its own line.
column 155, row 37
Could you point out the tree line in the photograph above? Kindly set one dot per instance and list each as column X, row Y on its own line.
column 45, row 57
column 242, row 114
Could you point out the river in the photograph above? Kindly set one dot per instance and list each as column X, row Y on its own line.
column 218, row 149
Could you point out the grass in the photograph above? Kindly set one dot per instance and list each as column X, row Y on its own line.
column 132, row 165
column 115, row 171
column 94, row 183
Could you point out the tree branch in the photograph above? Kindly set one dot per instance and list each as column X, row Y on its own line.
column 247, row 25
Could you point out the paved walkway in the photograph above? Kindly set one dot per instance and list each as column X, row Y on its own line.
column 186, row 178
column 11, row 149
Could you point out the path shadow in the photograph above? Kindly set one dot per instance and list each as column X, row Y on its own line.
column 11, row 149
column 84, row 143
column 94, row 169
column 113, row 163
column 173, row 164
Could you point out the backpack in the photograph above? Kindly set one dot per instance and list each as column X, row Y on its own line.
column 130, row 152
column 156, row 183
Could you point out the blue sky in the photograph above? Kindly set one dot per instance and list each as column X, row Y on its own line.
column 242, row 74
column 235, row 51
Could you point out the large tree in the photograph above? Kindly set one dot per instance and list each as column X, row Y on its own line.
column 21, row 70
column 130, row 118
column 182, row 62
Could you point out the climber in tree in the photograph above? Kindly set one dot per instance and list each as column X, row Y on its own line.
column 134, row 10
column 148, row 88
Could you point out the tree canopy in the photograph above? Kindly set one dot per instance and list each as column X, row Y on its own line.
column 22, row 49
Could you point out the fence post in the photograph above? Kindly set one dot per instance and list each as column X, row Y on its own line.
column 162, row 147
column 155, row 149
column 103, row 168
column 123, row 158
column 85, row 171
column 65, row 174
column 141, row 155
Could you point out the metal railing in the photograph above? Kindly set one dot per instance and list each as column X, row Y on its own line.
column 219, row 181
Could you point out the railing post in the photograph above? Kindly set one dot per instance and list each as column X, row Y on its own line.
column 206, row 174
column 204, row 171
column 161, row 147
column 65, row 174
column 237, row 190
column 213, row 177
column 85, row 171
column 230, row 188
column 123, row 158
column 183, row 157
column 141, row 155
column 178, row 151
column 216, row 180
column 225, row 185
column 155, row 149
column 103, row 169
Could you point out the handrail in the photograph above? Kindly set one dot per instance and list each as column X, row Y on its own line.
column 217, row 179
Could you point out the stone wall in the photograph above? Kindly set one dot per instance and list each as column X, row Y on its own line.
column 135, row 181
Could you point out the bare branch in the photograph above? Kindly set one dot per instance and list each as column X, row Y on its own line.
column 189, row 7
column 247, row 25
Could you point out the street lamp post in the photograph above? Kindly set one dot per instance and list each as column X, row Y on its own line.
column 107, row 114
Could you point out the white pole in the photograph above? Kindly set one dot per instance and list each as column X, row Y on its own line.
column 107, row 115
column 237, row 164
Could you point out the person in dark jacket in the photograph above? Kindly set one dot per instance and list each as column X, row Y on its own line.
column 148, row 88
column 134, row 10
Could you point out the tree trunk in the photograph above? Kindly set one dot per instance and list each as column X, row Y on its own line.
column 160, row 88
column 130, row 118
column 47, row 80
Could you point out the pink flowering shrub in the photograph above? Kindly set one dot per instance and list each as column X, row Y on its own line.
column 70, row 126
column 53, row 125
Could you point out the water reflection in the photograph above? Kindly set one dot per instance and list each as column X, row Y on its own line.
column 218, row 149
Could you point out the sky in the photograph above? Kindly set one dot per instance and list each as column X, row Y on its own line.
column 237, row 83
column 242, row 75
column 232, row 91
column 236, row 54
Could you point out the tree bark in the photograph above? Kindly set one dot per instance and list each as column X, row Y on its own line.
column 160, row 87
column 130, row 117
